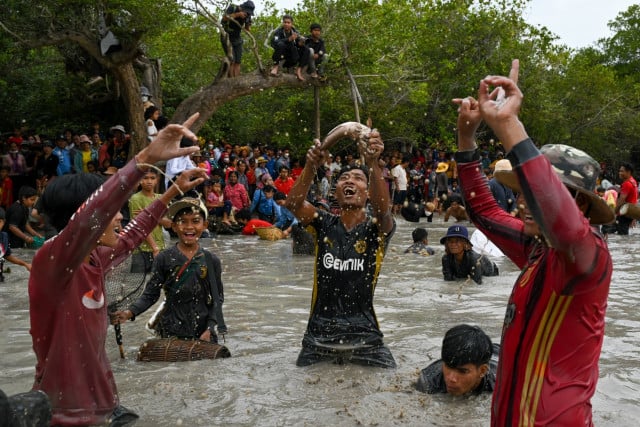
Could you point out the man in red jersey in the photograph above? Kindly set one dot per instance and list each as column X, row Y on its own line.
column 628, row 194
column 67, row 303
column 554, row 324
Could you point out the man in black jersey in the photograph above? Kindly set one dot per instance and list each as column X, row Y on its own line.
column 349, row 251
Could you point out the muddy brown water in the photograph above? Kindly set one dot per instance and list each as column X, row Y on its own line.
column 268, row 294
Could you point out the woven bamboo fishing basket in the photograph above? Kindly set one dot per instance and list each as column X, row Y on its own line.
column 269, row 233
column 179, row 350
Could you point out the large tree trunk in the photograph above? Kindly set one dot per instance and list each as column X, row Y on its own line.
column 130, row 93
column 208, row 99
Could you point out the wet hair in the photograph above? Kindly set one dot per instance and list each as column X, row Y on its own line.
column 189, row 210
column 349, row 168
column 162, row 122
column 419, row 234
column 464, row 344
column 26, row 191
column 456, row 198
column 65, row 194
column 243, row 214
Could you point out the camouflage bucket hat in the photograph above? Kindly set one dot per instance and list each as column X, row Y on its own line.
column 578, row 171
column 187, row 202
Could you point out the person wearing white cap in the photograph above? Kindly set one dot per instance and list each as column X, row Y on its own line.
column 555, row 319
column 503, row 194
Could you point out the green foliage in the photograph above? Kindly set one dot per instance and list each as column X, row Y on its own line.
column 409, row 59
column 623, row 49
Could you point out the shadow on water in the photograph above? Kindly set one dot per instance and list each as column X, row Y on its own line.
column 267, row 300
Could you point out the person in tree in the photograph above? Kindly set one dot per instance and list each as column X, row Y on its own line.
column 343, row 326
column 69, row 314
column 284, row 42
column 234, row 20
column 555, row 319
column 317, row 54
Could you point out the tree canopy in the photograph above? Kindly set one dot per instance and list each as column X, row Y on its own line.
column 408, row 59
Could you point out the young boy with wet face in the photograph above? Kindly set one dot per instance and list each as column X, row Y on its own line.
column 468, row 364
column 191, row 278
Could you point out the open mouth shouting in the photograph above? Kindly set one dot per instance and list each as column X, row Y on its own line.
column 349, row 191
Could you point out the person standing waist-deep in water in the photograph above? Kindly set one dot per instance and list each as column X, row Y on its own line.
column 555, row 319
column 67, row 303
column 350, row 247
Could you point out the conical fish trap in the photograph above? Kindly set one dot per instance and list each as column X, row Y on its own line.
column 179, row 350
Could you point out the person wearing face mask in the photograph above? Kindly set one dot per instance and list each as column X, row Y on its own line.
column 283, row 160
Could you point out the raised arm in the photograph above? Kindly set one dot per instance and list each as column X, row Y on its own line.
column 297, row 199
column 500, row 100
column 378, row 189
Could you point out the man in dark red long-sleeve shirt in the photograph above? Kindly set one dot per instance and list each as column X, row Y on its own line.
column 554, row 324
column 67, row 303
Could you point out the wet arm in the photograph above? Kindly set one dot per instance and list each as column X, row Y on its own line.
column 297, row 199
column 380, row 198
column 447, row 271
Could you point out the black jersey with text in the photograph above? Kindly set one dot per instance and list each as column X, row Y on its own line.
column 346, row 272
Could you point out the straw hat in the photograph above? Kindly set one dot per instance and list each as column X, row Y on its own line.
column 442, row 167
column 503, row 173
column 502, row 165
column 578, row 171
column 111, row 170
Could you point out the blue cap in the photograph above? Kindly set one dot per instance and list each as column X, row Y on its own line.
column 456, row 231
